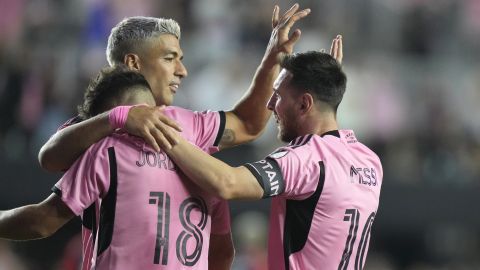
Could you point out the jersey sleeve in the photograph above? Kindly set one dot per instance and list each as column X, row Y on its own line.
column 208, row 129
column 204, row 129
column 221, row 218
column 71, row 121
column 85, row 182
column 286, row 172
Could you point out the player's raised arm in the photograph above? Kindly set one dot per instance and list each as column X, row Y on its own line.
column 248, row 118
column 34, row 221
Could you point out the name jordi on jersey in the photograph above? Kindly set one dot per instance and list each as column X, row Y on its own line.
column 155, row 159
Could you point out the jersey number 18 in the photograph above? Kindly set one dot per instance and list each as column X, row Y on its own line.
column 162, row 200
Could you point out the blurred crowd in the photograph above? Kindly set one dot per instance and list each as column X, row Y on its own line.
column 413, row 91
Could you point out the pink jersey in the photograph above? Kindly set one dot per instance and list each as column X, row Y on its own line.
column 137, row 211
column 326, row 190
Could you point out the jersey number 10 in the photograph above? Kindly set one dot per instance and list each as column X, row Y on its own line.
column 353, row 215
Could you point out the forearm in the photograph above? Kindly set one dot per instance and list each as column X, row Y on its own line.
column 252, row 109
column 22, row 223
column 207, row 172
column 220, row 260
column 65, row 146
column 221, row 252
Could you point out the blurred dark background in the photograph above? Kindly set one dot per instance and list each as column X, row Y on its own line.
column 413, row 92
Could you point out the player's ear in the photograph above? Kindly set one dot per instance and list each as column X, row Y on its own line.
column 132, row 61
column 306, row 102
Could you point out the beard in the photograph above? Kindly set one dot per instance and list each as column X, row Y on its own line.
column 288, row 129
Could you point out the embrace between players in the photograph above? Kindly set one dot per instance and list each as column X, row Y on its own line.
column 157, row 200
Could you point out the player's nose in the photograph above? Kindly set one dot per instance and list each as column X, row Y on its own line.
column 271, row 102
column 181, row 70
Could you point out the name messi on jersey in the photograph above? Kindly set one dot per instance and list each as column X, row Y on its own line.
column 159, row 160
column 364, row 176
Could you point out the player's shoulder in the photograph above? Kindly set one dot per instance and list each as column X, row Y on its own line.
column 298, row 149
column 115, row 141
column 72, row 121
column 173, row 111
column 353, row 144
column 349, row 137
column 309, row 141
column 304, row 146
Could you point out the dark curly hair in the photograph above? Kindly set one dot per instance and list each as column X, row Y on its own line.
column 108, row 88
column 319, row 74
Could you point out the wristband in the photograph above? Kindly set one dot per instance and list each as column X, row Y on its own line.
column 118, row 116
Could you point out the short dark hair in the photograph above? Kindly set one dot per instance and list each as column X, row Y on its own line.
column 319, row 74
column 109, row 85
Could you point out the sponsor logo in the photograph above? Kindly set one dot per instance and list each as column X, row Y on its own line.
column 279, row 154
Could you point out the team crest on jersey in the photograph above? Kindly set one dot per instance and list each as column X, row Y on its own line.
column 350, row 137
column 279, row 154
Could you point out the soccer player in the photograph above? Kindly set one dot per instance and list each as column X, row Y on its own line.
column 151, row 46
column 137, row 210
column 325, row 184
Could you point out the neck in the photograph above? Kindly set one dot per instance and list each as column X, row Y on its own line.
column 319, row 124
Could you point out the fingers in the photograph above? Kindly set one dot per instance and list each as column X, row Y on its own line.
column 153, row 126
column 160, row 139
column 336, row 50
column 291, row 11
column 285, row 28
column 333, row 48
column 276, row 11
column 295, row 17
column 168, row 133
column 166, row 120
column 169, row 122
column 293, row 38
column 340, row 49
column 151, row 141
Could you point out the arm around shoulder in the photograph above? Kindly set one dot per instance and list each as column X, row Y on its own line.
column 65, row 146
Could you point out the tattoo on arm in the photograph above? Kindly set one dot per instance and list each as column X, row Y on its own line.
column 228, row 137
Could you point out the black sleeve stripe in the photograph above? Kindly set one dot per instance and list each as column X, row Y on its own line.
column 257, row 175
column 72, row 121
column 268, row 175
column 221, row 129
column 57, row 191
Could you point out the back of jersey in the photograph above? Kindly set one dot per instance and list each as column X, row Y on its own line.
column 348, row 202
column 138, row 210
column 163, row 220
column 326, row 192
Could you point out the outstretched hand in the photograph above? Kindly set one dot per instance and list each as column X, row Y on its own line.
column 280, row 42
column 153, row 126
